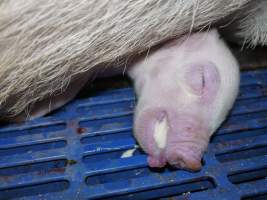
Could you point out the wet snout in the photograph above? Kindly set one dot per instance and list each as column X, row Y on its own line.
column 184, row 157
column 186, row 144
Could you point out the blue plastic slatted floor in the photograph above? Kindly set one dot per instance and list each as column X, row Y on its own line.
column 76, row 153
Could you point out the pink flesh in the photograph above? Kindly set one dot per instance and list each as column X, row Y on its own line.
column 187, row 136
column 188, row 129
column 185, row 140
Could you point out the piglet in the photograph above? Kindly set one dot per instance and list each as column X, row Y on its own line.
column 185, row 90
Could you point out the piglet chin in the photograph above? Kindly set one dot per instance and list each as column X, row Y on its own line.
column 156, row 162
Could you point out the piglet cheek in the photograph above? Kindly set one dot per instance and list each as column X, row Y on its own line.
column 203, row 80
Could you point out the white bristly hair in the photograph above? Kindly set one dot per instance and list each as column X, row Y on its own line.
column 45, row 43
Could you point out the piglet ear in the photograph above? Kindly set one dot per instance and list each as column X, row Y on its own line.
column 203, row 79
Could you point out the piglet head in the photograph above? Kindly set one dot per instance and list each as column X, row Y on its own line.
column 181, row 104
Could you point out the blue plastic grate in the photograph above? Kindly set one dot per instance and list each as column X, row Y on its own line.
column 75, row 153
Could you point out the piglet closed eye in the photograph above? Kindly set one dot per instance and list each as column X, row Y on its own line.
column 185, row 90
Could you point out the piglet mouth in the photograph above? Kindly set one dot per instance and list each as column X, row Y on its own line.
column 184, row 157
column 179, row 142
column 183, row 149
column 188, row 158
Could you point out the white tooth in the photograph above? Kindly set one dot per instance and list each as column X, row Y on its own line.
column 160, row 133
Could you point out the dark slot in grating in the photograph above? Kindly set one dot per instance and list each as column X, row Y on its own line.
column 256, row 197
column 251, row 91
column 103, row 157
column 33, row 148
column 33, row 130
column 96, row 159
column 244, row 122
column 238, row 135
column 181, row 190
column 41, row 168
column 107, row 137
column 119, row 177
column 247, row 106
column 98, row 87
column 242, row 154
column 101, row 126
column 124, row 177
column 118, row 107
column 32, row 190
column 248, row 176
